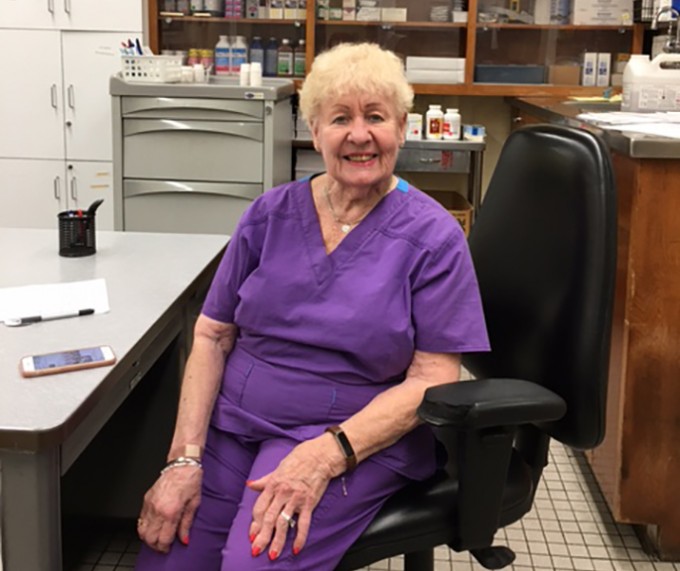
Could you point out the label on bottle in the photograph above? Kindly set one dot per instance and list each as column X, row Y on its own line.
column 222, row 63
column 435, row 126
column 285, row 63
column 238, row 56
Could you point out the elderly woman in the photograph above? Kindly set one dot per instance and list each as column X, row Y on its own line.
column 340, row 299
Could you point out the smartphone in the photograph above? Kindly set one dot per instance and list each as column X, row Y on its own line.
column 63, row 361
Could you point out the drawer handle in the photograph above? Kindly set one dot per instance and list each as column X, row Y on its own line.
column 431, row 161
column 57, row 187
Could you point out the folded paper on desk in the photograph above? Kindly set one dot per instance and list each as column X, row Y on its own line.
column 49, row 299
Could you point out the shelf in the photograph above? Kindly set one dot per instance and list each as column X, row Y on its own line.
column 504, row 89
column 417, row 25
column 566, row 27
column 215, row 20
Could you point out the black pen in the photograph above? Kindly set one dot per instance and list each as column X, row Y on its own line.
column 48, row 317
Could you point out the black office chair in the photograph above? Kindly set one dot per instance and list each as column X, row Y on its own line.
column 544, row 247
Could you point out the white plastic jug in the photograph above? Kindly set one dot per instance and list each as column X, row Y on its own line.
column 647, row 86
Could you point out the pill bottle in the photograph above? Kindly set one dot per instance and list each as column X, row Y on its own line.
column 451, row 131
column 434, row 122
column 414, row 126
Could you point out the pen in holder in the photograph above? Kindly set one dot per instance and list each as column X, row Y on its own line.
column 77, row 231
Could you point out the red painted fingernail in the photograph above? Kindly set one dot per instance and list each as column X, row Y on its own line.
column 273, row 555
column 255, row 551
column 248, row 482
column 252, row 537
column 296, row 550
column 185, row 540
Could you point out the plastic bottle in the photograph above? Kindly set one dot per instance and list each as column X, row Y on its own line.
column 255, row 74
column 256, row 51
column 451, row 129
column 213, row 7
column 271, row 55
column 239, row 54
column 299, row 60
column 649, row 87
column 223, row 56
column 434, row 122
column 284, row 66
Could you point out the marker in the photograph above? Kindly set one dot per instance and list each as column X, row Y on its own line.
column 15, row 322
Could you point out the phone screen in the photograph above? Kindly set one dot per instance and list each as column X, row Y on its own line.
column 66, row 358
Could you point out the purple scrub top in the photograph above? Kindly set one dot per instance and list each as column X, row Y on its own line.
column 321, row 335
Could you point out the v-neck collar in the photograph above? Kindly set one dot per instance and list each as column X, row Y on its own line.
column 323, row 264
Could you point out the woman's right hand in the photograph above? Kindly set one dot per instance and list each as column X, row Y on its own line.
column 169, row 508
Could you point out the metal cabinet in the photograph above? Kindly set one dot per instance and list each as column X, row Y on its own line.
column 192, row 158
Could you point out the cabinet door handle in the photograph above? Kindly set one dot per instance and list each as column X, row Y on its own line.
column 57, row 187
column 67, row 6
column 74, row 189
column 71, row 97
column 429, row 161
column 50, row 6
column 517, row 119
column 53, row 95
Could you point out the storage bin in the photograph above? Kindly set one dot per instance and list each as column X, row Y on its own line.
column 461, row 210
column 486, row 73
column 152, row 69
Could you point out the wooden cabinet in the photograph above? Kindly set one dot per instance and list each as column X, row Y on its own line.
column 481, row 44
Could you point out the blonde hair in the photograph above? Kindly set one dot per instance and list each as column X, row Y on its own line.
column 355, row 68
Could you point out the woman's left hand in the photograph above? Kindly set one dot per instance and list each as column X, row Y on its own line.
column 294, row 488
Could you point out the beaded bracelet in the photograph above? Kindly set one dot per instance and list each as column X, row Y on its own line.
column 182, row 461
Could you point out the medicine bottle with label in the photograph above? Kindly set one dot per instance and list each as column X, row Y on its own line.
column 451, row 130
column 284, row 66
column 223, row 56
column 434, row 122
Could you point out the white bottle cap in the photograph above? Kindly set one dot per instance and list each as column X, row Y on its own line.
column 199, row 73
column 452, row 110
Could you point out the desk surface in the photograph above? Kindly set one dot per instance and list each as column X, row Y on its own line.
column 146, row 276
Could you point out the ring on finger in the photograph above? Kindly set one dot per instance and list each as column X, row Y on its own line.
column 288, row 519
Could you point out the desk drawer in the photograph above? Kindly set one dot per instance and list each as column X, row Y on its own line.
column 195, row 109
column 421, row 160
column 193, row 150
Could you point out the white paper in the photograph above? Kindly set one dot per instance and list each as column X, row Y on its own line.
column 671, row 130
column 50, row 299
column 626, row 118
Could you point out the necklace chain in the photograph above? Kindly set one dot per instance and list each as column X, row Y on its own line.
column 344, row 226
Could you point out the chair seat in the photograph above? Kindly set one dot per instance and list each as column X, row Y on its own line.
column 421, row 514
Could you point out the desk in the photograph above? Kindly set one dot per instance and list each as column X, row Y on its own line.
column 153, row 281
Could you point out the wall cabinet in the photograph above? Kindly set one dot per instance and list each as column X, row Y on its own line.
column 481, row 43
column 55, row 113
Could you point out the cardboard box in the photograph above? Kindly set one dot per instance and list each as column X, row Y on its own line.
column 602, row 12
column 564, row 74
column 435, row 76
column 588, row 69
column 439, row 63
column 394, row 14
column 461, row 210
column 604, row 64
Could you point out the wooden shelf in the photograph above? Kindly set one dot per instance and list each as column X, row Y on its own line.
column 417, row 25
column 565, row 27
column 504, row 89
column 170, row 16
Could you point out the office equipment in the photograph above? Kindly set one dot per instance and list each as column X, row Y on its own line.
column 192, row 158
column 46, row 426
column 544, row 247
column 66, row 361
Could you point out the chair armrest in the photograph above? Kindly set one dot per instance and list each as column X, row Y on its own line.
column 473, row 405
column 479, row 420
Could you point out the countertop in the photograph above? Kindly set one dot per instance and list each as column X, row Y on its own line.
column 634, row 145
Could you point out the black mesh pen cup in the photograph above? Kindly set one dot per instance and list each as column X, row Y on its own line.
column 76, row 233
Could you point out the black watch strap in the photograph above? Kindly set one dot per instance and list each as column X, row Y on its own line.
column 345, row 445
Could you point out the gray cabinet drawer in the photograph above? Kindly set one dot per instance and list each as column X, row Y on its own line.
column 174, row 206
column 421, row 160
column 187, row 108
column 193, row 150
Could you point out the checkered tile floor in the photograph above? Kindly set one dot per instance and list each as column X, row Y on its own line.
column 570, row 528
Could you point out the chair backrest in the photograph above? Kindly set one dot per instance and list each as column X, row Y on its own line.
column 544, row 248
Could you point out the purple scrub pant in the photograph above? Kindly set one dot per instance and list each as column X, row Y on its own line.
column 218, row 539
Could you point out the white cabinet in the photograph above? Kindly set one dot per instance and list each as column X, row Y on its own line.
column 89, row 60
column 55, row 108
column 87, row 181
column 102, row 15
column 32, row 193
column 35, row 14
column 31, row 95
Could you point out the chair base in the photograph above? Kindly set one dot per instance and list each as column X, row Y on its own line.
column 495, row 557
